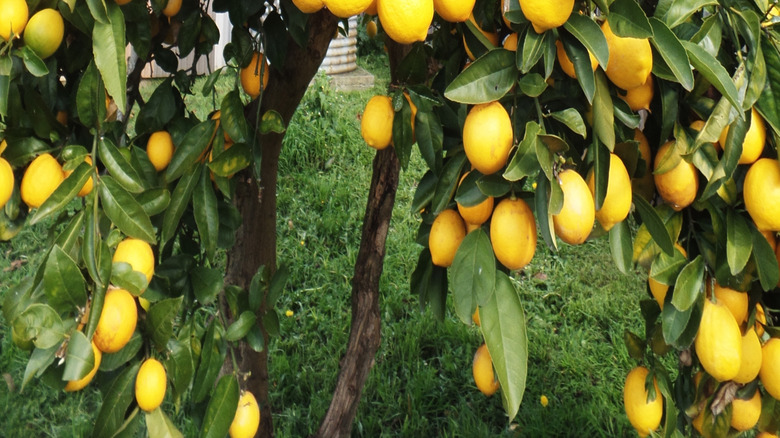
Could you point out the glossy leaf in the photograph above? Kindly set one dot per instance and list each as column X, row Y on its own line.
column 448, row 182
column 154, row 201
column 232, row 117
column 689, row 285
column 227, row 163
column 64, row 285
column 119, row 167
column 679, row 327
column 590, row 35
column 665, row 267
column 603, row 112
column 573, row 120
column 654, row 224
column 41, row 324
column 160, row 108
column 543, row 214
column 738, row 241
column 429, row 283
column 108, row 40
column 191, row 147
column 621, row 246
column 276, row 287
column 531, row 49
column 430, row 137
column 210, row 363
column 580, row 58
column 115, row 403
column 713, row 71
column 90, row 97
column 487, row 79
column 160, row 426
column 180, row 199
column 403, row 136
column 768, row 272
column 524, row 162
column 113, row 361
column 179, row 365
column 204, row 206
column 64, row 193
column 473, row 273
column 124, row 211
column 206, row 283
column 240, row 326
column 160, row 319
column 39, row 361
column 272, row 121
column 673, row 52
column 221, row 408
column 468, row 193
column 627, row 19
column 768, row 103
column 680, row 11
column 79, row 357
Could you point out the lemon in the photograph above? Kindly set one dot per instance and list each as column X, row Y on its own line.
column 476, row 214
column 575, row 220
column 405, row 21
column 630, row 59
column 766, row 435
column 546, row 14
column 159, row 148
column 770, row 367
column 371, row 29
column 172, row 8
column 86, row 189
column 755, row 138
column 376, row 125
column 3, row 146
column 513, row 233
column 751, row 358
column 658, row 290
column 735, row 301
column 719, row 342
column 761, row 192
column 77, row 385
column 346, row 8
column 566, row 65
column 371, row 9
column 760, row 320
column 138, row 254
column 454, row 11
column 150, row 384
column 644, row 185
column 639, row 98
column 444, row 239
column 122, row 2
column 6, row 182
column 117, row 321
column 644, row 415
column 745, row 413
column 15, row 15
column 254, row 77
column 617, row 202
column 510, row 42
column 247, row 418
column 40, row 180
column 491, row 36
column 44, row 32
column 679, row 185
column 482, row 369
column 309, row 6
column 487, row 137
column 475, row 317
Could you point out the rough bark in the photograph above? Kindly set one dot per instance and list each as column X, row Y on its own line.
column 256, row 200
column 365, row 333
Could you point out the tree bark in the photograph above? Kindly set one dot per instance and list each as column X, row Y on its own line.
column 255, row 244
column 365, row 334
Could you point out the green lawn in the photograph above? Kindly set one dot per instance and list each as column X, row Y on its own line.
column 577, row 306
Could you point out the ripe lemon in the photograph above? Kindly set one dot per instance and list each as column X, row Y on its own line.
column 309, row 6
column 546, row 14
column 630, row 59
column 6, row 182
column 487, row 137
column 575, row 220
column 371, row 29
column 122, row 2
column 639, row 98
column 44, row 32
column 761, row 191
column 566, row 65
column 413, row 109
column 735, row 301
column 371, row 9
column 766, row 435
column 138, row 254
column 751, row 358
column 159, row 148
column 491, row 36
column 86, row 189
column 745, row 413
column 644, row 185
column 510, row 42
column 617, row 202
column 476, row 214
column 475, row 317
column 117, row 321
column 40, row 180
column 447, row 231
column 454, row 11
column 755, row 138
column 346, row 8
column 252, row 75
column 376, row 125
column 405, row 21
column 760, row 320
column 172, row 8
column 3, row 146
column 513, row 233
column 247, row 418
column 770, row 367
column 150, row 384
column 659, row 290
column 15, row 15
column 679, row 185
column 645, row 416
column 482, row 369
column 78, row 385
column 698, row 125
column 719, row 342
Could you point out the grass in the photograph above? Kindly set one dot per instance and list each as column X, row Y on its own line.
column 577, row 307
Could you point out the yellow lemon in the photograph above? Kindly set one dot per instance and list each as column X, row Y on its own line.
column 751, row 358
column 3, row 146
column 566, row 65
column 482, row 369
column 617, row 202
column 376, row 124
column 15, row 14
column 444, row 239
column 487, row 137
column 760, row 320
column 172, row 7
column 40, row 180
column 513, row 233
column 644, row 415
column 761, row 192
column 491, row 36
column 138, row 254
column 475, row 317
column 86, row 189
column 510, row 42
column 405, row 21
column 639, row 98
column 159, row 149
column 78, row 385
column 770, row 367
column 371, row 29
column 371, row 9
column 44, row 32
column 546, row 14
column 309, row 6
column 476, row 214
column 766, row 435
column 745, row 413
column 454, row 11
column 346, row 8
column 679, row 185
column 575, row 220
column 735, row 301
column 254, row 77
column 117, row 321
column 630, row 59
column 755, row 138
column 6, row 182
column 719, row 342
column 150, row 385
column 247, row 418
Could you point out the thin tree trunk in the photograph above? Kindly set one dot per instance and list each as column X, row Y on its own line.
column 256, row 200
column 365, row 334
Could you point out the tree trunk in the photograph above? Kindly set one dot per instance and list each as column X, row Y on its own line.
column 365, row 334
column 256, row 200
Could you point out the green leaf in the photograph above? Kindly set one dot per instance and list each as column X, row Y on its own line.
column 160, row 109
column 98, row 10
column 590, row 35
column 532, row 84
column 227, row 163
column 241, row 326
column 679, row 327
column 278, row 282
column 33, row 63
column 154, row 201
column 211, row 360
column 601, row 164
column 124, row 211
column 654, row 224
column 634, row 344
column 179, row 364
column 572, row 119
column 270, row 322
column 160, row 426
column 272, row 121
column 448, row 182
column 115, row 403
column 232, row 117
column 713, row 71
column 64, row 193
column 487, row 79
column 473, row 273
column 504, row 330
column 191, row 147
column 79, row 357
column 204, row 206
column 763, row 257
column 64, row 285
column 113, row 361
column 680, row 11
column 621, row 246
column 769, row 101
column 688, row 286
column 206, row 283
column 524, row 163
column 429, row 283
column 181, row 198
column 41, row 324
column 403, row 136
column 430, row 137
column 469, row 194
column 91, row 97
column 627, row 19
column 221, row 408
column 580, row 58
column 119, row 167
column 39, row 361
column 123, row 275
column 603, row 112
column 665, row 267
column 673, row 52
column 532, row 49
column 160, row 319
column 108, row 46
column 738, row 241
column 543, row 214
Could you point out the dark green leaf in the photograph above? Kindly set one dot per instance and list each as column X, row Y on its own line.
column 590, row 35
column 192, row 146
column 621, row 246
column 179, row 364
column 180, row 199
column 124, row 211
column 123, row 275
column 627, row 19
column 119, row 167
column 524, row 163
column 278, row 282
column 572, row 119
column 738, row 241
column 424, row 193
column 531, row 51
column 688, row 286
column 580, row 58
column 673, row 52
column 603, row 112
column 270, row 322
column 680, row 11
column 39, row 361
column 33, row 63
column 469, row 194
column 154, row 201
column 115, row 403
column 108, row 39
column 769, row 101
column 160, row 319
column 532, row 84
column 241, row 326
column 430, row 137
column 65, row 286
column 113, row 361
column 448, row 182
column 204, row 206
column 487, row 79
column 221, row 408
column 679, row 327
column 64, row 193
column 210, row 363
column 79, row 358
column 159, row 109
column 654, row 224
column 206, row 283
column 232, row 117
column 403, row 136
column 543, row 214
column 473, row 274
column 634, row 344
column 665, row 267
column 766, row 263
column 91, row 97
column 713, row 71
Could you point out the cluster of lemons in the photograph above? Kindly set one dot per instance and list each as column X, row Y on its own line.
column 42, row 32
